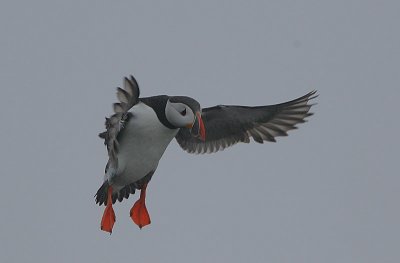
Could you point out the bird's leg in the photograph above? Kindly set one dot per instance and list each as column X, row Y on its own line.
column 139, row 213
column 108, row 220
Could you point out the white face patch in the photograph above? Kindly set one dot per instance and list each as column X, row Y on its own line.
column 179, row 114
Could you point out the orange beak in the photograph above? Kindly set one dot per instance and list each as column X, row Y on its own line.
column 202, row 129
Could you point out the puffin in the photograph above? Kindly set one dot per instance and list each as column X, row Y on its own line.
column 140, row 129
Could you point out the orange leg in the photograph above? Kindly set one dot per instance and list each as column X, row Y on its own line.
column 139, row 213
column 108, row 220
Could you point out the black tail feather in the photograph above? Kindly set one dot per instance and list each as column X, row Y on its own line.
column 101, row 195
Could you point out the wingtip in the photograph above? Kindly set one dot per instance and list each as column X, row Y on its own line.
column 313, row 94
column 134, row 80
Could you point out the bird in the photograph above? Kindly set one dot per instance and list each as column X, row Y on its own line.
column 140, row 129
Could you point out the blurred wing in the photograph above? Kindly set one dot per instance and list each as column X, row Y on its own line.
column 228, row 125
column 128, row 97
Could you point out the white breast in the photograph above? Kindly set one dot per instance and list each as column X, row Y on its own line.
column 143, row 143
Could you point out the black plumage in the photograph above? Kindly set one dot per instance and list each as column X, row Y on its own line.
column 227, row 125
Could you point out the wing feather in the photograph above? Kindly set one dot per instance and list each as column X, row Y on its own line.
column 127, row 97
column 227, row 125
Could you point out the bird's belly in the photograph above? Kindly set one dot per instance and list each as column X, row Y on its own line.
column 142, row 145
column 138, row 160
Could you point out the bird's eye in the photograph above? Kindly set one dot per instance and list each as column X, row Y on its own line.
column 183, row 113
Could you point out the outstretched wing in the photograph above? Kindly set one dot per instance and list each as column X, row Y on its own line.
column 128, row 97
column 228, row 125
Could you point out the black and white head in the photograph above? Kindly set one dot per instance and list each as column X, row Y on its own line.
column 185, row 112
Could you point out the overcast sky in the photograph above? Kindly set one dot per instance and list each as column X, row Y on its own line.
column 327, row 193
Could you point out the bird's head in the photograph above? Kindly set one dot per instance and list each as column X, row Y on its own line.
column 185, row 112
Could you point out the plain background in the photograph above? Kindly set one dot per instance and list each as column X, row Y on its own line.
column 327, row 193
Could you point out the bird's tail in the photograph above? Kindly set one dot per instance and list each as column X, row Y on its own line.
column 101, row 195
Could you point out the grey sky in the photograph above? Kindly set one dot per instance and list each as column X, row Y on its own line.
column 327, row 193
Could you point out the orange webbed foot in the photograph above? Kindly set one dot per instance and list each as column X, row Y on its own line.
column 108, row 220
column 139, row 213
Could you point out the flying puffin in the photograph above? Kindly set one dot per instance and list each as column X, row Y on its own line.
column 140, row 130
